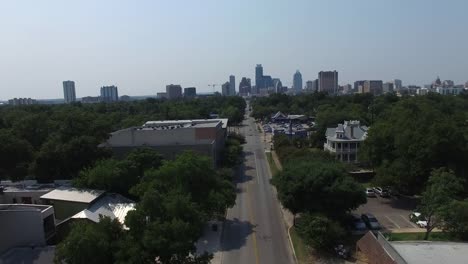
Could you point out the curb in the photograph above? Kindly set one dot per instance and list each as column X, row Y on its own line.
column 292, row 245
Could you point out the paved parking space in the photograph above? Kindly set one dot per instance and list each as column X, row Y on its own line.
column 393, row 214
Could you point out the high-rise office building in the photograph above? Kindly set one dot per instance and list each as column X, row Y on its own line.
column 259, row 83
column 225, row 89
column 297, row 81
column 278, row 85
column 328, row 81
column 69, row 91
column 397, row 84
column 173, row 91
column 245, row 87
column 267, row 82
column 232, row 85
column 358, row 86
column 109, row 93
column 347, row 89
column 387, row 87
column 190, row 92
column 374, row 87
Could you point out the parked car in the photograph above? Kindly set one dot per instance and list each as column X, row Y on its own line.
column 386, row 192
column 382, row 192
column 356, row 223
column 370, row 192
column 371, row 221
column 418, row 219
column 377, row 190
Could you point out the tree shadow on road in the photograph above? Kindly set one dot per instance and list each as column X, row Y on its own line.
column 235, row 234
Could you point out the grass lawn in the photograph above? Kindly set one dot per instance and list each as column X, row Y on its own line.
column 272, row 164
column 302, row 251
column 434, row 236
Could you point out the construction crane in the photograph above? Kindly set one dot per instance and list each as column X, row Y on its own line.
column 214, row 86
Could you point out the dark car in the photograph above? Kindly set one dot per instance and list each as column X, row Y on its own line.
column 385, row 192
column 356, row 223
column 371, row 221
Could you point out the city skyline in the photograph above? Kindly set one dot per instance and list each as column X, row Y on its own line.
column 141, row 49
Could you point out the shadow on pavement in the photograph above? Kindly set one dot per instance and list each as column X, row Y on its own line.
column 235, row 234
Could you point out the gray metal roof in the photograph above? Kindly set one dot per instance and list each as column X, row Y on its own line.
column 73, row 195
column 111, row 205
column 425, row 252
column 359, row 132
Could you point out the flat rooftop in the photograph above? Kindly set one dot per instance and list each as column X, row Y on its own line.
column 420, row 252
column 73, row 195
column 23, row 207
column 31, row 186
column 187, row 123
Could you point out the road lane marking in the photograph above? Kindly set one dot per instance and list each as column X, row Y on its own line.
column 393, row 222
column 411, row 223
column 256, row 168
column 254, row 233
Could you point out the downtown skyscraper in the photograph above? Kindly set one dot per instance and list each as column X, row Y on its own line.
column 232, row 85
column 328, row 82
column 69, row 94
column 109, row 94
column 297, row 81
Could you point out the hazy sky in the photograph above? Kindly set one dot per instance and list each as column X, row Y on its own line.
column 141, row 46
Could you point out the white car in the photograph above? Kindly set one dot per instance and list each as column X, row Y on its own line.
column 418, row 219
column 370, row 192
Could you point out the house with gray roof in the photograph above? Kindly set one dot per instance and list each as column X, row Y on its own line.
column 345, row 140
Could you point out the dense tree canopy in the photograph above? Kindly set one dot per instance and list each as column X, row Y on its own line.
column 91, row 243
column 58, row 141
column 408, row 137
column 119, row 175
column 175, row 201
column 318, row 186
column 443, row 187
column 415, row 136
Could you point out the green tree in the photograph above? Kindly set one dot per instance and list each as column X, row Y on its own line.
column 456, row 219
column 15, row 155
column 318, row 186
column 195, row 175
column 110, row 175
column 91, row 243
column 441, row 189
column 319, row 231
column 413, row 137
column 143, row 159
column 175, row 201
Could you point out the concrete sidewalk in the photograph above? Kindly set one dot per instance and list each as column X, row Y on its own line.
column 211, row 241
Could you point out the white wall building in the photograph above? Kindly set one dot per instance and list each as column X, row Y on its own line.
column 449, row 90
column 25, row 225
column 345, row 140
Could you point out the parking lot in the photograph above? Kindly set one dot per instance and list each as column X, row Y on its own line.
column 392, row 213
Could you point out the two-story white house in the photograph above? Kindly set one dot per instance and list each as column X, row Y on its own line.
column 345, row 140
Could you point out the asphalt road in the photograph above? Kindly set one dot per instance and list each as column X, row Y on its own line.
column 254, row 230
